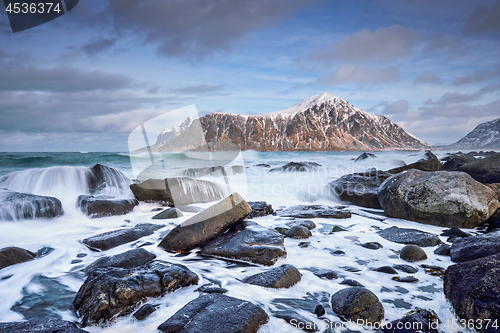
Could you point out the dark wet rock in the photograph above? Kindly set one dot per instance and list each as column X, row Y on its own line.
column 325, row 274
column 412, row 253
column 433, row 270
column 304, row 223
column 281, row 230
column 319, row 310
column 101, row 206
column 443, row 250
column 454, row 233
column 357, row 303
column 131, row 258
column 486, row 170
column 386, row 269
column 108, row 292
column 216, row 313
column 214, row 171
column 248, row 241
column 18, row 206
column 447, row 199
column 262, row 165
column 283, row 276
column 169, row 213
column 372, row 245
column 456, row 162
column 150, row 226
column 405, row 279
column 296, row 320
column 416, row 321
column 144, row 311
column 298, row 232
column 303, row 245
column 41, row 325
column 338, row 228
column 473, row 289
column 314, row 211
column 496, row 188
column 364, row 156
column 352, row 283
column 260, row 208
column 111, row 239
column 428, row 163
column 298, row 166
column 474, row 247
column 206, row 225
column 14, row 255
column 100, row 176
column 360, row 189
column 177, row 191
column 337, row 252
column 212, row 289
column 409, row 236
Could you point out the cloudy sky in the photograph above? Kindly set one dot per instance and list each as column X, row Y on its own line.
column 88, row 78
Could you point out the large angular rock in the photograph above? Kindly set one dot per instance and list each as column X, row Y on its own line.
column 108, row 292
column 298, row 166
column 177, row 191
column 474, row 247
column 446, row 199
column 473, row 289
column 206, row 225
column 283, row 276
column 19, row 206
column 485, row 170
column 45, row 325
column 129, row 259
column 14, row 255
column 428, row 163
column 248, row 241
column 111, row 239
column 314, row 211
column 409, row 236
column 415, row 321
column 101, row 206
column 216, row 313
column 260, row 208
column 357, row 303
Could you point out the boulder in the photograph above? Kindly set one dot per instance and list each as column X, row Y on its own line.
column 474, row 247
column 14, row 255
column 19, row 206
column 100, row 176
column 169, row 213
column 101, row 206
column 314, row 211
column 248, row 241
column 216, row 313
column 486, row 170
column 177, row 191
column 473, row 289
column 310, row 225
column 111, row 239
column 298, row 232
column 109, row 292
column 409, row 236
column 446, row 199
column 144, row 311
column 360, row 189
column 260, row 208
column 283, row 276
column 206, row 225
column 496, row 188
column 453, row 234
column 357, row 303
column 412, row 253
column 415, row 321
column 456, row 162
column 129, row 259
column 428, row 163
column 298, row 166
column 325, row 274
column 364, row 156
column 443, row 250
column 42, row 325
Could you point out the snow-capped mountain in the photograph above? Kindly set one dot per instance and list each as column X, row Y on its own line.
column 168, row 134
column 484, row 136
column 320, row 122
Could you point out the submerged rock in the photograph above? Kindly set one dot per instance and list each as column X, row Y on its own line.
column 486, row 170
column 357, row 303
column 415, row 321
column 428, row 163
column 314, row 211
column 169, row 213
column 14, row 255
column 111, row 239
column 108, row 292
column 283, row 276
column 260, row 208
column 129, row 259
column 101, row 206
column 42, row 325
column 216, row 313
column 206, row 225
column 248, row 241
column 447, row 199
column 364, row 156
column 298, row 166
column 409, row 236
column 19, row 206
column 101, row 176
column 474, row 247
column 412, row 253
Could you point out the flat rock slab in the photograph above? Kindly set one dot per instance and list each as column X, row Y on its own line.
column 260, row 208
column 283, row 276
column 108, row 292
column 111, row 239
column 355, row 303
column 46, row 325
column 14, row 255
column 314, row 211
column 19, row 206
column 473, row 289
column 206, row 225
column 131, row 258
column 169, row 213
column 101, row 206
column 248, row 241
column 409, row 236
column 216, row 313
column 474, row 247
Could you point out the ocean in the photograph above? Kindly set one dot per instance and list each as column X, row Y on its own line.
column 46, row 286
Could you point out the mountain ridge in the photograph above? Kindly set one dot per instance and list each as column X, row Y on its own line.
column 484, row 136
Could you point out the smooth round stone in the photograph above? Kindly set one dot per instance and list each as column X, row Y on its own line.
column 412, row 253
column 298, row 232
column 372, row 245
column 352, row 283
column 386, row 269
column 406, row 268
column 319, row 310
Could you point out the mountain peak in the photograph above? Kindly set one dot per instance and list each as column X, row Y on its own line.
column 304, row 105
column 484, row 136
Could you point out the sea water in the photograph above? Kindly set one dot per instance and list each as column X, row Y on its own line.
column 46, row 286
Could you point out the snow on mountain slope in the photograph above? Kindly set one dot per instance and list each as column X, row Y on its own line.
column 483, row 136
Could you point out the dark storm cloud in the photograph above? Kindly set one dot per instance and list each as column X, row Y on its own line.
column 98, row 45
column 483, row 20
column 360, row 74
column 427, row 78
column 202, row 89
column 477, row 76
